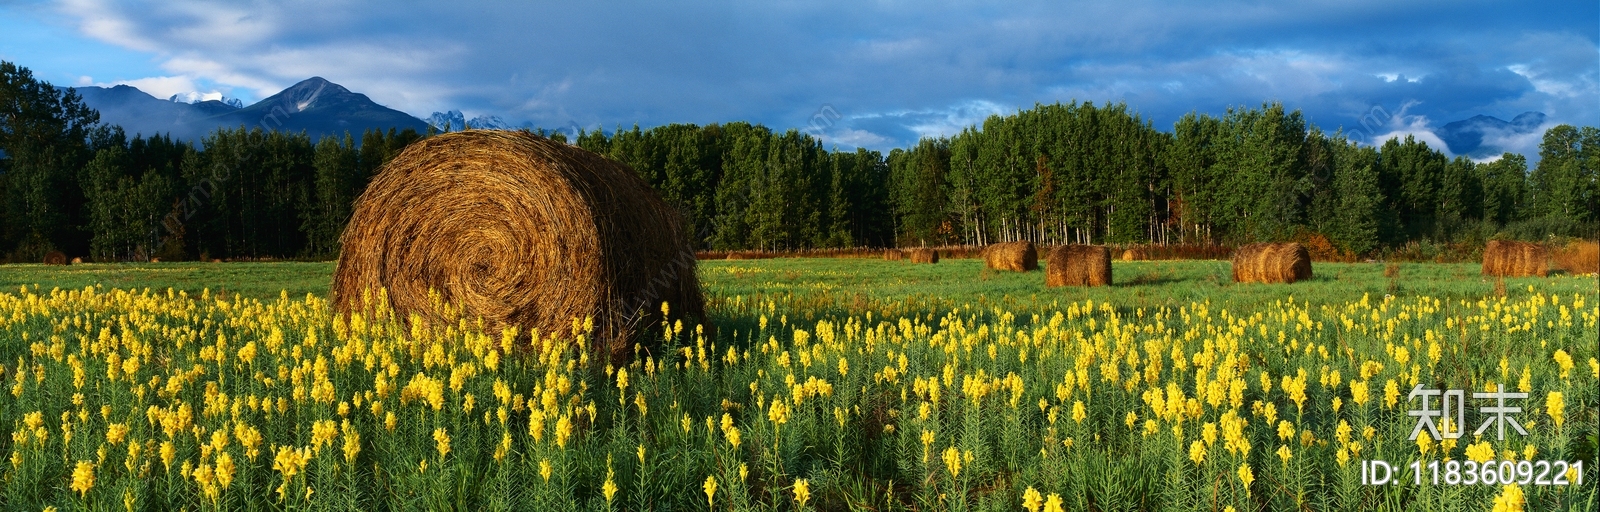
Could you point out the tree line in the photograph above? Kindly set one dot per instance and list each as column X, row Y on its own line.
column 1058, row 173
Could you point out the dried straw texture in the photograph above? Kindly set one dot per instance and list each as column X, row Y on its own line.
column 521, row 231
column 924, row 255
column 893, row 255
column 55, row 258
column 1132, row 255
column 1507, row 258
column 1271, row 263
column 1078, row 265
column 1580, row 257
column 1012, row 256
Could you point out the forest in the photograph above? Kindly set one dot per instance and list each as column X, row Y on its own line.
column 1053, row 174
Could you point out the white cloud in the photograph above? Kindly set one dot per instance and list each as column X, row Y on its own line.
column 1402, row 125
column 164, row 87
column 855, row 138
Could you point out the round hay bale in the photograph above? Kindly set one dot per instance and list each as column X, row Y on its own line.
column 924, row 255
column 1510, row 258
column 520, row 231
column 77, row 261
column 893, row 255
column 1078, row 265
column 1012, row 256
column 1271, row 263
column 55, row 258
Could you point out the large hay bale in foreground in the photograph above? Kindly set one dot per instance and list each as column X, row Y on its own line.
column 55, row 258
column 1013, row 256
column 1078, row 265
column 521, row 231
column 924, row 255
column 1509, row 258
column 1271, row 263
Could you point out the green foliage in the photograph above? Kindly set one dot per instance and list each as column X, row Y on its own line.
column 43, row 148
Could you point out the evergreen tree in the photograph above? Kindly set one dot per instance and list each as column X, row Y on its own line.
column 1358, row 198
column 44, row 135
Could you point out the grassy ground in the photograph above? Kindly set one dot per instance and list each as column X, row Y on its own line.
column 254, row 280
column 852, row 285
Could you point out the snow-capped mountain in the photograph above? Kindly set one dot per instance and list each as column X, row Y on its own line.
column 316, row 106
column 455, row 120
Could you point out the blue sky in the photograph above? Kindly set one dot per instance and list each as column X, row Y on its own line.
column 892, row 70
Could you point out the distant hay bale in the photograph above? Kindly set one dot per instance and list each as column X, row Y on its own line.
column 77, row 261
column 55, row 258
column 924, row 255
column 1271, row 263
column 1130, row 255
column 1013, row 256
column 1509, row 258
column 1078, row 265
column 893, row 255
column 520, row 231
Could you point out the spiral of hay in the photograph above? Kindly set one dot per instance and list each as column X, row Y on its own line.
column 1508, row 258
column 1078, row 265
column 924, row 255
column 55, row 258
column 1271, row 263
column 1134, row 254
column 893, row 255
column 1012, row 256
column 521, row 231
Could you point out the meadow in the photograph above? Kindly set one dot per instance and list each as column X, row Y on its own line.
column 828, row 384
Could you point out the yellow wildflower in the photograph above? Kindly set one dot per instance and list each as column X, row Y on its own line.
column 1031, row 500
column 1053, row 503
column 952, row 461
column 1510, row 499
column 441, row 440
column 83, row 477
column 802, row 488
column 1555, row 406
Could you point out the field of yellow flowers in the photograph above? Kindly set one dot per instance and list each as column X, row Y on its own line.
column 124, row 399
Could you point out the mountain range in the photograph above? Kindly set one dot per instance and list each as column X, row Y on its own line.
column 322, row 108
column 455, row 120
column 315, row 105
column 1484, row 136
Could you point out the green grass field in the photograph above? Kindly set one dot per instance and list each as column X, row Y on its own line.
column 823, row 384
column 848, row 281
